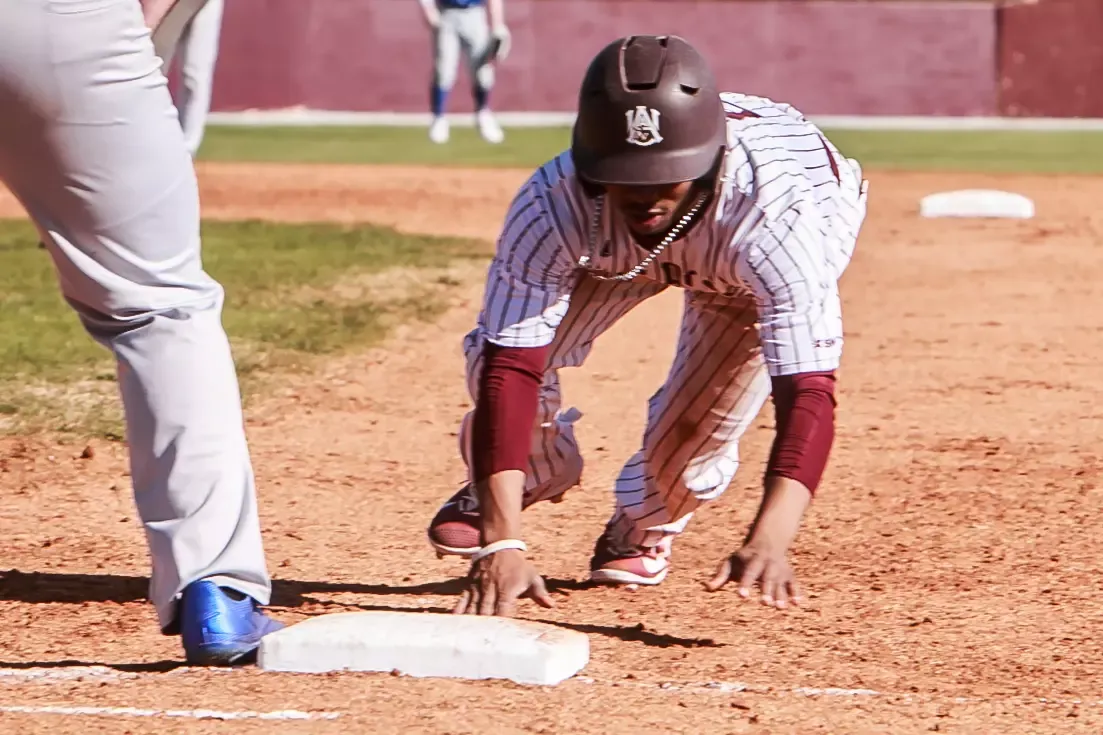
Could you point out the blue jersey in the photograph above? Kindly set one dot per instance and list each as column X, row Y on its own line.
column 448, row 4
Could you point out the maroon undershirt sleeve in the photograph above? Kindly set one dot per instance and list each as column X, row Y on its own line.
column 509, row 392
column 509, row 388
column 804, row 406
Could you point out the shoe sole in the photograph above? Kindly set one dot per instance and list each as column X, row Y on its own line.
column 618, row 576
column 467, row 552
column 222, row 655
column 443, row 551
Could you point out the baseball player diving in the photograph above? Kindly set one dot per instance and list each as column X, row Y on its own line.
column 477, row 28
column 744, row 205
column 91, row 146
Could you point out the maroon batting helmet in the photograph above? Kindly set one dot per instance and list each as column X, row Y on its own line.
column 649, row 112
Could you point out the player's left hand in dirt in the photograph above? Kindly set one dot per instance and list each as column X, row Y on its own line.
column 498, row 581
column 764, row 566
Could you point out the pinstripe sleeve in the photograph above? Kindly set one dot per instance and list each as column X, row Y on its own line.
column 528, row 282
column 799, row 310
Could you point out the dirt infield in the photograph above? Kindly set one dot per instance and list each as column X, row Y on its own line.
column 952, row 556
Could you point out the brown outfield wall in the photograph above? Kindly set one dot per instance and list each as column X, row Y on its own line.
column 1051, row 59
column 846, row 57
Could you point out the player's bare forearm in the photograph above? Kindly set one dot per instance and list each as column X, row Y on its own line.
column 501, row 577
column 430, row 11
column 154, row 11
column 779, row 516
column 500, row 500
column 496, row 11
column 762, row 560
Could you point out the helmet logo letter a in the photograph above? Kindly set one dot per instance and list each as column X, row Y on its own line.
column 643, row 126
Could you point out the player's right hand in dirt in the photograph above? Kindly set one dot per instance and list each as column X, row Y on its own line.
column 763, row 566
column 496, row 582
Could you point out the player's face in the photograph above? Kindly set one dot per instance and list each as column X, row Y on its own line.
column 650, row 210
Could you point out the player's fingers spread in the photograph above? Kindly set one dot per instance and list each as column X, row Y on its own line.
column 796, row 592
column 462, row 603
column 539, row 593
column 774, row 579
column 750, row 573
column 769, row 590
column 506, row 607
column 488, row 599
column 474, row 601
column 506, row 599
column 474, row 594
column 783, row 591
column 722, row 577
column 793, row 593
column 781, row 595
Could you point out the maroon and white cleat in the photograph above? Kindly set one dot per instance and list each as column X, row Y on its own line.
column 645, row 566
column 454, row 530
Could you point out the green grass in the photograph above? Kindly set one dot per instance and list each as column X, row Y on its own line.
column 525, row 147
column 1002, row 151
column 1079, row 152
column 293, row 292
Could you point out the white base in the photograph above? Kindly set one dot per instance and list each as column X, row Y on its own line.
column 977, row 203
column 428, row 645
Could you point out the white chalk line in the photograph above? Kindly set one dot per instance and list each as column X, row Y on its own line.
column 70, row 674
column 196, row 714
column 735, row 687
column 93, row 674
column 100, row 674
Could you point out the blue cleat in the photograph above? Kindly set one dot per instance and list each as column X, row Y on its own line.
column 220, row 626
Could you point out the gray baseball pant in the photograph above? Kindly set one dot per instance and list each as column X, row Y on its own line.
column 465, row 30
column 197, row 51
column 91, row 146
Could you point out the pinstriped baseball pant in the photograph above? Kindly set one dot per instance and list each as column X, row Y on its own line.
column 689, row 451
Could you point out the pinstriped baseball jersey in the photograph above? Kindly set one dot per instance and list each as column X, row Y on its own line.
column 782, row 227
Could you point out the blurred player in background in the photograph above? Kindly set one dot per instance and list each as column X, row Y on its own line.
column 91, row 147
column 197, row 51
column 478, row 29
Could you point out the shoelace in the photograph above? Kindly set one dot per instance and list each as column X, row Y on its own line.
column 467, row 502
